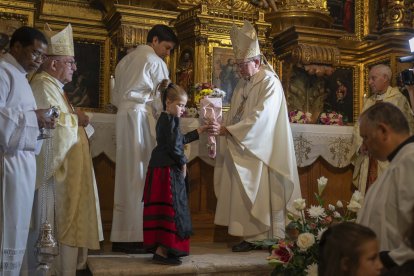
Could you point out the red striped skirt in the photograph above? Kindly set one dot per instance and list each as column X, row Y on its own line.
column 159, row 225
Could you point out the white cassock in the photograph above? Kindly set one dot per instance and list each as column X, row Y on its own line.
column 137, row 75
column 388, row 205
column 18, row 138
column 256, row 174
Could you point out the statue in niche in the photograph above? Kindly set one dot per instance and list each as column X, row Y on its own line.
column 185, row 71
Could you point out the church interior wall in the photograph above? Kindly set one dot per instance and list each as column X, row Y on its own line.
column 298, row 40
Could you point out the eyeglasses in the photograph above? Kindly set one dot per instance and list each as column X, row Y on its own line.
column 243, row 63
column 70, row 63
column 38, row 55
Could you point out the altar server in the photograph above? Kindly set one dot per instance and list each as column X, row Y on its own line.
column 388, row 205
column 19, row 124
column 137, row 77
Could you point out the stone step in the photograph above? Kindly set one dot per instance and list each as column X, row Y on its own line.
column 205, row 259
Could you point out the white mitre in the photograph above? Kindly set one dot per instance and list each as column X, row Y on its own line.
column 59, row 43
column 244, row 41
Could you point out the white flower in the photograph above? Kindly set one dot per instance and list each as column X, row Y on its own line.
column 320, row 232
column 331, row 207
column 353, row 206
column 316, row 212
column 299, row 204
column 336, row 214
column 218, row 93
column 339, row 204
column 312, row 270
column 357, row 196
column 322, row 181
column 305, row 240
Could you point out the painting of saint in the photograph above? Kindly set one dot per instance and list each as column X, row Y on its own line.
column 343, row 14
column 225, row 72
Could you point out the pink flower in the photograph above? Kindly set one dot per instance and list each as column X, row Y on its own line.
column 282, row 253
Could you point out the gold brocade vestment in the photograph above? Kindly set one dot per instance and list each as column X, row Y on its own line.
column 77, row 206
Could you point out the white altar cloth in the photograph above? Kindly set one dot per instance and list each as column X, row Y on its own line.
column 332, row 143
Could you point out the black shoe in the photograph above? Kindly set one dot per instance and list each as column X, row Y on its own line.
column 166, row 261
column 128, row 247
column 244, row 246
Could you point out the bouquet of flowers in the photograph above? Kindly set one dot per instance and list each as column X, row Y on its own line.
column 190, row 112
column 300, row 117
column 331, row 118
column 201, row 90
column 297, row 254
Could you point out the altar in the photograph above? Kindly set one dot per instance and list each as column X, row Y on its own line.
column 320, row 151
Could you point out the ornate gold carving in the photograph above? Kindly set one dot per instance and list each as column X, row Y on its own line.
column 312, row 54
column 242, row 5
column 396, row 15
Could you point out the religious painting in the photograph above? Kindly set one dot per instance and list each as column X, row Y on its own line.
column 343, row 14
column 85, row 89
column 185, row 70
column 225, row 72
column 340, row 93
column 313, row 92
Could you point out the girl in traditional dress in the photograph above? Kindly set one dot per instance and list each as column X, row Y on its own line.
column 349, row 249
column 167, row 221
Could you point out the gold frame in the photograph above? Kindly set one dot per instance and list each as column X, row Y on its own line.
column 212, row 66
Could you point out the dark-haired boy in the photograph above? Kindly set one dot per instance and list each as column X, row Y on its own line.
column 137, row 77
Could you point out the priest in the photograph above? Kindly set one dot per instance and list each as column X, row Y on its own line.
column 256, row 177
column 69, row 168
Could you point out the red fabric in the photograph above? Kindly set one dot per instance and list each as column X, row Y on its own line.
column 159, row 224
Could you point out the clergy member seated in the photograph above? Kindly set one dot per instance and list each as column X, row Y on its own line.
column 388, row 204
column 256, row 175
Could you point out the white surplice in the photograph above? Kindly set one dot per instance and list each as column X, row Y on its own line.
column 137, row 76
column 388, row 205
column 18, row 138
column 256, row 175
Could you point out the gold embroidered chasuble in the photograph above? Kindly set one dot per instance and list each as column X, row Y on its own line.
column 77, row 205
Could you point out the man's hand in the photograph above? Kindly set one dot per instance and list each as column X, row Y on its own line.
column 214, row 128
column 83, row 119
column 43, row 120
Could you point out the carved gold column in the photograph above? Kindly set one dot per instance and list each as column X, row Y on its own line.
column 396, row 15
column 200, row 60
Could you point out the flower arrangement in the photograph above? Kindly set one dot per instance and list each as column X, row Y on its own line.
column 300, row 117
column 331, row 118
column 200, row 90
column 191, row 112
column 297, row 254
